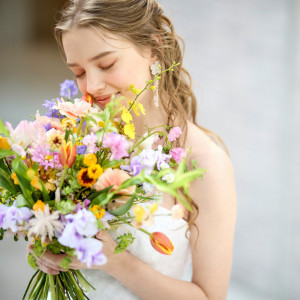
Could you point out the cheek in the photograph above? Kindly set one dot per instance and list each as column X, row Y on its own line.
column 82, row 85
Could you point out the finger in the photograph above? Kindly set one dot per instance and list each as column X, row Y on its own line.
column 46, row 269
column 51, row 265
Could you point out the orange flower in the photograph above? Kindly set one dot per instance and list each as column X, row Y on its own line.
column 4, row 143
column 39, row 205
column 88, row 98
column 84, row 179
column 161, row 243
column 67, row 155
column 98, row 211
column 94, row 171
column 114, row 177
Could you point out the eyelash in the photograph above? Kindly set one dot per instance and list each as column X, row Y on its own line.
column 106, row 68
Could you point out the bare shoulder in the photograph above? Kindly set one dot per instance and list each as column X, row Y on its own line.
column 218, row 181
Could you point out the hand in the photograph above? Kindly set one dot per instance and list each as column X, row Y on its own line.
column 49, row 262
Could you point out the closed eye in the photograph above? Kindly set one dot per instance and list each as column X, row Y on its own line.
column 108, row 67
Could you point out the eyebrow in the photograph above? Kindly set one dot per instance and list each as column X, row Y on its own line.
column 100, row 55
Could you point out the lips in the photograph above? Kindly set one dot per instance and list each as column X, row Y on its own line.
column 104, row 99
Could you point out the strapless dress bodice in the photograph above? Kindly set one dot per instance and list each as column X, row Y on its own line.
column 178, row 265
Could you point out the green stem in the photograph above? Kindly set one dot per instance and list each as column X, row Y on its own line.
column 63, row 178
column 52, row 287
column 141, row 229
column 79, row 127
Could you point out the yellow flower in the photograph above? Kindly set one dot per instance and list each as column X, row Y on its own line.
column 39, row 205
column 101, row 124
column 139, row 213
column 14, row 178
column 90, row 159
column 126, row 116
column 136, row 91
column 56, row 141
column 137, row 108
column 98, row 211
column 152, row 87
column 129, row 130
column 153, row 208
column 68, row 124
column 84, row 179
column 4, row 143
column 35, row 182
column 48, row 177
column 94, row 171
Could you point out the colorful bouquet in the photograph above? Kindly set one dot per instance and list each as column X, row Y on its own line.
column 77, row 171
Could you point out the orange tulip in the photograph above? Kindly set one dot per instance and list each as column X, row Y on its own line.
column 67, row 155
column 161, row 243
column 88, row 98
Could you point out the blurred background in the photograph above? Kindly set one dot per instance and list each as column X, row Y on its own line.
column 244, row 57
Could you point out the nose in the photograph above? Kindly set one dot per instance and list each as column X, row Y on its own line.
column 94, row 84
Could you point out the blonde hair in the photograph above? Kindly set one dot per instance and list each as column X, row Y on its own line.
column 143, row 23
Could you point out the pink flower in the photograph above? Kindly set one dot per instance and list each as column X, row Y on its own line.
column 114, row 177
column 177, row 154
column 90, row 141
column 22, row 136
column 45, row 158
column 174, row 133
column 73, row 110
column 117, row 145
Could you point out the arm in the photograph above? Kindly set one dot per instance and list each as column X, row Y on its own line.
column 211, row 249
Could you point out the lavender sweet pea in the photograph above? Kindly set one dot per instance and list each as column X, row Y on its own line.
column 11, row 217
column 68, row 89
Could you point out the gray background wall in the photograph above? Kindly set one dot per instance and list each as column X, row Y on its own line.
column 244, row 58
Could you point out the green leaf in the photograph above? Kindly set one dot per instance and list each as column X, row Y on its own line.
column 22, row 201
column 124, row 241
column 100, row 224
column 125, row 208
column 65, row 263
column 32, row 261
column 65, row 207
column 3, row 129
column 4, row 167
column 44, row 192
column 38, row 249
column 113, row 163
column 7, row 183
column 5, row 152
column 2, row 231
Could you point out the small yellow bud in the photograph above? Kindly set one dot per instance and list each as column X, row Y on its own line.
column 152, row 87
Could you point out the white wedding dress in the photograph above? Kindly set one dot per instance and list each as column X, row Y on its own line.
column 178, row 265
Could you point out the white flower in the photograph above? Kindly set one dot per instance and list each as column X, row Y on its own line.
column 44, row 224
column 155, row 68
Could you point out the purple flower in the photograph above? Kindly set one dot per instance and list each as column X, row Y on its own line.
column 52, row 113
column 174, row 133
column 81, row 149
column 161, row 157
column 148, row 187
column 86, row 203
column 68, row 89
column 117, row 145
column 144, row 161
column 89, row 252
column 3, row 210
column 13, row 216
column 70, row 237
column 47, row 126
column 85, row 223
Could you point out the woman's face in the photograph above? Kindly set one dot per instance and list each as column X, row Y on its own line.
column 107, row 65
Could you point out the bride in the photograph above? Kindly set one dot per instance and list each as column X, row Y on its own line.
column 109, row 45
